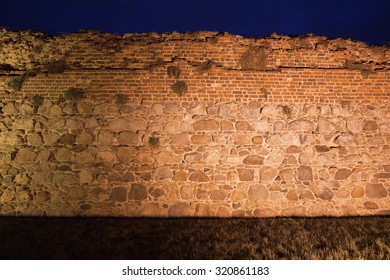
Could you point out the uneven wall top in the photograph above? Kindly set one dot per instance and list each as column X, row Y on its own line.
column 90, row 50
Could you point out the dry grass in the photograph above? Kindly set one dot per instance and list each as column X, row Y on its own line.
column 110, row 238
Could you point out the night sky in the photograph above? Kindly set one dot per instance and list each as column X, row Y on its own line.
column 365, row 20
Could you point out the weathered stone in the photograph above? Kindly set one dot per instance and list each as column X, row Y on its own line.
column 198, row 109
column 386, row 168
column 118, row 194
column 370, row 205
column 223, row 212
column 25, row 155
column 62, row 178
column 253, row 160
column 273, row 140
column 193, row 157
column 109, row 157
column 343, row 174
column 180, row 209
column 167, row 158
column 10, row 109
column 86, row 176
column 258, row 140
column 293, row 150
column 202, row 210
column 258, row 192
column 151, row 210
column 206, row 125
column 157, row 109
column 42, row 196
column 264, row 213
column 305, row 173
column 324, row 125
column 370, row 126
column 180, row 176
column 199, row 176
column 226, row 125
column 354, row 125
column 262, row 126
column 322, row 148
column 375, row 191
column 357, row 192
column 241, row 139
column 128, row 137
column 23, row 123
column 75, row 193
column 186, row 192
column 244, row 126
column 301, row 125
column 286, row 175
column 212, row 158
column 105, row 137
column 119, row 124
column 218, row 195
column 180, row 139
column 85, row 137
column 290, row 139
column 67, row 139
column 274, row 158
column 233, row 160
column 201, row 139
column 245, row 174
column 268, row 174
column 50, row 138
column 238, row 214
column 292, row 195
column 382, row 175
column 162, row 173
column 138, row 192
column 325, row 194
column 34, row 139
column 239, row 195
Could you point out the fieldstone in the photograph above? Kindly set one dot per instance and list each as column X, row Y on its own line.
column 180, row 176
column 193, row 157
column 286, row 175
column 199, row 176
column 274, row 158
column 232, row 176
column 75, row 193
column 325, row 194
column 218, row 195
column 200, row 139
column 74, row 124
column 264, row 213
column 34, row 139
column 234, row 160
column 262, row 126
column 258, row 140
column 324, row 125
column 305, row 173
column 119, row 124
column 67, row 139
column 268, row 174
column 202, row 210
column 241, row 139
column 273, row 140
column 23, row 123
column 167, row 158
column 42, row 196
column 290, row 139
column 162, row 173
column 157, row 109
column 25, row 155
column 105, row 137
column 118, row 194
column 253, row 160
column 370, row 125
column 293, row 150
column 172, row 126
column 258, row 192
column 125, row 155
column 357, row 192
column 370, row 205
column 138, row 192
column 382, row 175
column 223, row 212
column 198, row 109
column 42, row 178
column 354, row 125
column 85, row 137
column 50, row 138
column 128, row 137
column 301, row 125
column 186, row 192
column 239, row 195
column 226, row 125
column 62, row 178
column 86, row 176
column 244, row 126
column 386, row 168
column 321, row 148
column 108, row 157
column 181, row 139
column 245, row 174
column 206, row 125
column 151, row 210
column 180, row 209
column 375, row 191
column 292, row 195
column 343, row 174
column 212, row 158
column 10, row 109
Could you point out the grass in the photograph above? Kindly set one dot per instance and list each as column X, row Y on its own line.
column 186, row 238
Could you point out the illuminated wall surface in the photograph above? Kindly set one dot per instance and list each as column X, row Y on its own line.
column 200, row 124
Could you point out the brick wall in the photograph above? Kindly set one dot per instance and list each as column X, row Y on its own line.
column 198, row 124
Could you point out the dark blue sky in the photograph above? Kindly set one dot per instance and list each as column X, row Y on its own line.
column 367, row 20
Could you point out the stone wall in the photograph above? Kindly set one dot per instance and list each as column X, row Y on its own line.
column 199, row 124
